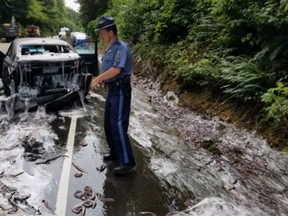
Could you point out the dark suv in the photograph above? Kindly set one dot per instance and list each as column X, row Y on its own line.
column 46, row 71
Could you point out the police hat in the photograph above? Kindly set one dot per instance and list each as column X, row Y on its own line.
column 105, row 22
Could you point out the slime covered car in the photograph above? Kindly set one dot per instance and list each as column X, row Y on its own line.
column 44, row 71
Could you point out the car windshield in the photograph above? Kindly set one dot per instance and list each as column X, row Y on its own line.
column 32, row 49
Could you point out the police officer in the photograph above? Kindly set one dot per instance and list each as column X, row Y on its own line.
column 116, row 72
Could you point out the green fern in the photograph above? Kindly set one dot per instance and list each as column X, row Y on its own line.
column 276, row 104
column 244, row 79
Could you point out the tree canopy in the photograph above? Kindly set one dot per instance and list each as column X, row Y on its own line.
column 49, row 15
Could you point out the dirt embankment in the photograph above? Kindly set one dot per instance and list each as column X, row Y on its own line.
column 210, row 101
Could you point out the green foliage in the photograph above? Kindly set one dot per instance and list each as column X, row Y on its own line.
column 206, row 32
column 202, row 72
column 92, row 25
column 162, row 22
column 273, row 57
column 35, row 12
column 276, row 101
column 49, row 15
column 91, row 9
column 137, row 20
column 248, row 24
column 243, row 78
column 174, row 20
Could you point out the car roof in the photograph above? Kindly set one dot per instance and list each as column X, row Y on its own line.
column 81, row 35
column 18, row 43
column 39, row 40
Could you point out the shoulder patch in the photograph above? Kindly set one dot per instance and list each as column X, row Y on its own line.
column 118, row 57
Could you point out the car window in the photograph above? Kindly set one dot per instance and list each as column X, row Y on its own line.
column 32, row 49
column 47, row 48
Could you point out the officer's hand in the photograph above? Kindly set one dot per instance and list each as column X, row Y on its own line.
column 96, row 83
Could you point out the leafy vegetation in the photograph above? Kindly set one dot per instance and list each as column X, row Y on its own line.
column 276, row 100
column 49, row 15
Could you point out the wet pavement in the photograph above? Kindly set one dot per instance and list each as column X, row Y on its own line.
column 175, row 167
column 33, row 140
column 208, row 160
column 130, row 192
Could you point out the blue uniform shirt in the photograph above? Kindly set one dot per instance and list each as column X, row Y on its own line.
column 117, row 55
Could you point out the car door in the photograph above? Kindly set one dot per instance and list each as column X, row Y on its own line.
column 6, row 58
column 88, row 52
column 2, row 57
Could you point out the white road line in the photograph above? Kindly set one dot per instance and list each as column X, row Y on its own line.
column 65, row 174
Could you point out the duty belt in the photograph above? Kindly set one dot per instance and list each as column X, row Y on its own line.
column 118, row 83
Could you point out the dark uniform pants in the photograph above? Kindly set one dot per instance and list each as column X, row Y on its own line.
column 116, row 122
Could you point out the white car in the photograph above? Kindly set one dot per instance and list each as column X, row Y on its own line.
column 46, row 71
